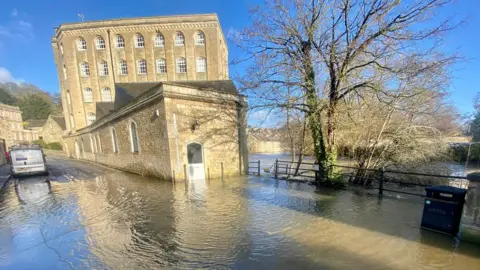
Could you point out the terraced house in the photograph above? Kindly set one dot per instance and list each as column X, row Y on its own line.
column 151, row 96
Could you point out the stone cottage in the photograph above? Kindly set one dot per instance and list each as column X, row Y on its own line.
column 52, row 130
column 172, row 130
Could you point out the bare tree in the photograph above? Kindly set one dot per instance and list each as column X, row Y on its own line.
column 333, row 49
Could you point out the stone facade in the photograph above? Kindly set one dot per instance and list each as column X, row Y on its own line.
column 78, row 106
column 265, row 140
column 11, row 126
column 168, row 118
column 52, row 130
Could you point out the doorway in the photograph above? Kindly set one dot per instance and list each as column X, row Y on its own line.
column 196, row 169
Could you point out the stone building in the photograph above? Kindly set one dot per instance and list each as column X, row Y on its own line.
column 11, row 126
column 92, row 56
column 265, row 140
column 52, row 130
column 151, row 96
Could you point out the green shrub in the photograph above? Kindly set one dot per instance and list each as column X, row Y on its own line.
column 55, row 146
column 42, row 143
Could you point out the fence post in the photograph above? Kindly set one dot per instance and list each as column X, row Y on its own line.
column 380, row 188
column 276, row 168
column 258, row 167
column 222, row 171
column 185, row 173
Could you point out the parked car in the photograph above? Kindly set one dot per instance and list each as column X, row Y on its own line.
column 27, row 160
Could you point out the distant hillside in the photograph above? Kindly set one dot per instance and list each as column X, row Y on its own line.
column 24, row 89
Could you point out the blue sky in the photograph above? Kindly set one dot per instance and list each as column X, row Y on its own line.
column 27, row 26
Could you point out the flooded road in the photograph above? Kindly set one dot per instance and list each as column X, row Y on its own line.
column 86, row 216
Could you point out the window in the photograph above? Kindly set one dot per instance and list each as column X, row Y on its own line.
column 106, row 94
column 133, row 137
column 84, row 69
column 19, row 126
column 201, row 64
column 50, row 125
column 114, row 141
column 81, row 44
column 179, row 39
column 199, row 38
column 61, row 48
column 100, row 42
column 142, row 66
column 93, row 145
column 64, row 72
column 20, row 136
column 103, row 68
column 139, row 41
column 99, row 143
column 69, row 98
column 119, row 41
column 181, row 65
column 88, row 95
column 91, row 118
column 159, row 41
column 122, row 67
column 161, row 66
column 72, row 123
column 13, row 125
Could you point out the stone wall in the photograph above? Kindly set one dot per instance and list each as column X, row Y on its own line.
column 152, row 158
column 51, row 131
column 470, row 230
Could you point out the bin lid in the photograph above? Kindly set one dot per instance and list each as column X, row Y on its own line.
column 447, row 189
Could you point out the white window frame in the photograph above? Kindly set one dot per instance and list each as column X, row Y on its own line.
column 142, row 66
column 132, row 146
column 88, row 95
column 159, row 40
column 139, row 41
column 199, row 38
column 84, row 69
column 122, row 67
column 201, row 64
column 106, row 94
column 81, row 44
column 93, row 144
column 161, row 66
column 103, row 68
column 69, row 98
column 181, row 65
column 100, row 43
column 64, row 72
column 91, row 118
column 179, row 39
column 119, row 42
column 113, row 133
column 72, row 121
column 99, row 143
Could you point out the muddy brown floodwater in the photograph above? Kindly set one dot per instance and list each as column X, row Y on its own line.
column 84, row 216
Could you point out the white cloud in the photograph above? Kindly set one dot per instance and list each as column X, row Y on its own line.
column 6, row 76
column 14, row 12
column 234, row 35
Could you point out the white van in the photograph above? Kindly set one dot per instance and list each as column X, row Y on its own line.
column 26, row 160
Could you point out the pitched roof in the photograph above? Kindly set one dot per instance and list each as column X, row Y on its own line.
column 104, row 108
column 225, row 86
column 126, row 92
column 60, row 121
column 36, row 123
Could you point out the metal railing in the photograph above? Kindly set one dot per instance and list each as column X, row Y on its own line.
column 256, row 169
column 381, row 179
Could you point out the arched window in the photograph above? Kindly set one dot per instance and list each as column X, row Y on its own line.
column 84, row 69
column 181, row 65
column 64, row 72
column 61, row 48
column 106, row 95
column 142, row 66
column 199, row 38
column 119, row 41
column 93, row 144
column 100, row 43
column 159, row 41
column 91, row 118
column 114, row 141
column 122, row 67
column 72, row 122
column 179, row 39
column 103, row 68
column 201, row 64
column 99, row 143
column 139, row 41
column 161, row 66
column 88, row 95
column 81, row 44
column 69, row 98
column 133, row 137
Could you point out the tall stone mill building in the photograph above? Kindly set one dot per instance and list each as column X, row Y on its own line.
column 151, row 96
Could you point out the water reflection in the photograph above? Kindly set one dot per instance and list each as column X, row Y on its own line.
column 33, row 190
column 123, row 221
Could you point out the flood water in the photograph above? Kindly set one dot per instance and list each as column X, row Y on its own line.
column 114, row 220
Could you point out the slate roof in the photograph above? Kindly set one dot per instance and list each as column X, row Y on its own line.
column 104, row 108
column 126, row 92
column 225, row 86
column 60, row 121
column 36, row 123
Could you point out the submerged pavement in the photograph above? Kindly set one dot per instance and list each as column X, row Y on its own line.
column 85, row 216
